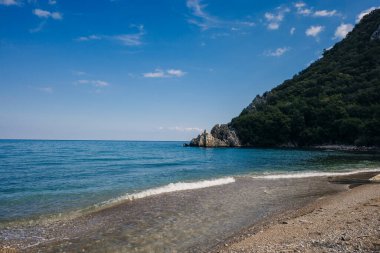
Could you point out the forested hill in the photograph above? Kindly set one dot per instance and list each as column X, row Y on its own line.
column 336, row 100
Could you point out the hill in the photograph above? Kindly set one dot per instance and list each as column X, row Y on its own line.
column 336, row 100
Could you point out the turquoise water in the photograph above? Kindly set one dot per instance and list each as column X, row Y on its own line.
column 51, row 177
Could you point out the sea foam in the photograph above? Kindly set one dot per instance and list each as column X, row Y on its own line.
column 172, row 187
column 310, row 174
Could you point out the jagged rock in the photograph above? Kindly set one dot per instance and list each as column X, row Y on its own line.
column 220, row 136
column 258, row 101
column 376, row 34
column 226, row 134
column 207, row 140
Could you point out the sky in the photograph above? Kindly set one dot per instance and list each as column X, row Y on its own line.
column 152, row 70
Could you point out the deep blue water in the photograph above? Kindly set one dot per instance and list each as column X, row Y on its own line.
column 50, row 177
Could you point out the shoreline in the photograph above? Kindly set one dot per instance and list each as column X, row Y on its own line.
column 218, row 215
column 345, row 148
column 345, row 221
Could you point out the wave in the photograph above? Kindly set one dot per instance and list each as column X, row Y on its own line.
column 311, row 174
column 172, row 187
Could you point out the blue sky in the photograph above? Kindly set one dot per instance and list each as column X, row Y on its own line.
column 152, row 70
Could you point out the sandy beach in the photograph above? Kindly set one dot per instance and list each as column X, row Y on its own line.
column 343, row 222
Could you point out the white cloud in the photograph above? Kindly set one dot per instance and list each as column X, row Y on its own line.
column 56, row 15
column 96, row 83
column 182, row 129
column 292, row 30
column 200, row 17
column 9, row 2
column 325, row 13
column 278, row 52
column 41, row 13
column 133, row 39
column 274, row 19
column 342, row 30
column 273, row 26
column 129, row 39
column 365, row 12
column 304, row 12
column 205, row 21
column 52, row 2
column 301, row 9
column 314, row 31
column 47, row 14
column 176, row 72
column 159, row 73
column 300, row 5
column 90, row 37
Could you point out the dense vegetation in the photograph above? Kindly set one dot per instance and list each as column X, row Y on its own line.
column 336, row 100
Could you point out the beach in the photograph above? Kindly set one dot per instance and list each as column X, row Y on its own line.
column 348, row 221
column 248, row 215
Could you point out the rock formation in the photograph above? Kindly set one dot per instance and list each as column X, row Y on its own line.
column 226, row 134
column 220, row 136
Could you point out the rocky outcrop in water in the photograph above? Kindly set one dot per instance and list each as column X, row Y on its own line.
column 220, row 136
column 226, row 134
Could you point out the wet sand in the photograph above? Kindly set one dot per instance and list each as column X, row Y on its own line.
column 199, row 220
column 348, row 221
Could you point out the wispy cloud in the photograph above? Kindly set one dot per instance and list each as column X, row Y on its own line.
column 206, row 21
column 132, row 39
column 182, row 129
column 52, row 2
column 90, row 37
column 365, row 12
column 274, row 19
column 95, row 83
column 176, row 72
column 314, row 31
column 277, row 52
column 325, row 13
column 39, row 27
column 9, row 2
column 342, row 31
column 47, row 14
column 304, row 10
column 159, row 73
column 200, row 17
column 78, row 73
column 129, row 39
column 292, row 30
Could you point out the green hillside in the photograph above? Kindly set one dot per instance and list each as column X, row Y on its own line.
column 336, row 100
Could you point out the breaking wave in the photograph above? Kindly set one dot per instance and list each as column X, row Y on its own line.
column 172, row 187
column 310, row 174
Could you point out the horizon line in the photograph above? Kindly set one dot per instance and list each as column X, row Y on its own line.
column 38, row 139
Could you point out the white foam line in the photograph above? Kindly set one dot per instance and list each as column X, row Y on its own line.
column 311, row 174
column 172, row 187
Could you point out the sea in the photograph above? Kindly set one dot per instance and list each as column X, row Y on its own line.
column 150, row 196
